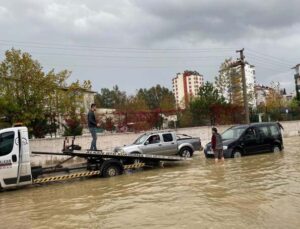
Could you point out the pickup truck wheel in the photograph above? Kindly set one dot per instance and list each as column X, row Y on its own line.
column 186, row 152
column 111, row 171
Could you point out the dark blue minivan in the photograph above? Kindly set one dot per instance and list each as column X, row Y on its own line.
column 242, row 140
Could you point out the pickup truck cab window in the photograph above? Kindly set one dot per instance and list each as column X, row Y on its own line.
column 6, row 143
column 153, row 139
column 168, row 137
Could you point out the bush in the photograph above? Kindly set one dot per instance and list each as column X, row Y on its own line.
column 72, row 127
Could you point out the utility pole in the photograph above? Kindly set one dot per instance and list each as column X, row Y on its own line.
column 245, row 96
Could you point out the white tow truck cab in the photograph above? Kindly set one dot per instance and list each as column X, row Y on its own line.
column 16, row 169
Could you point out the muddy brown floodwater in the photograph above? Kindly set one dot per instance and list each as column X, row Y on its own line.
column 261, row 191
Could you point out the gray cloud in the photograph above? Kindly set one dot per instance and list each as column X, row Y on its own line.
column 223, row 20
column 270, row 27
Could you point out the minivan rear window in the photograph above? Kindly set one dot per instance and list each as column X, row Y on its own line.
column 264, row 130
column 274, row 130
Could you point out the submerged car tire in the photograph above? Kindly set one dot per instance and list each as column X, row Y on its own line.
column 111, row 171
column 236, row 154
column 276, row 149
column 186, row 152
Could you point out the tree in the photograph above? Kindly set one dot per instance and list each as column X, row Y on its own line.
column 26, row 92
column 185, row 118
column 33, row 97
column 236, row 89
column 294, row 104
column 200, row 106
column 136, row 113
column 223, row 81
column 22, row 87
column 274, row 101
column 72, row 127
column 110, row 98
column 229, row 84
column 294, row 107
column 157, row 97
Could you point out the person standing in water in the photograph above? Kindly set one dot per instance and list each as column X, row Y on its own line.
column 217, row 145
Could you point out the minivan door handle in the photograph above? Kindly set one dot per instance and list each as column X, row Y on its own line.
column 14, row 158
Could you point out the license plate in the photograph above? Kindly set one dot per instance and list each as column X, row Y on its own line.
column 210, row 152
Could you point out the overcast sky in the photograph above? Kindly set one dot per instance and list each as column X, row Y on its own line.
column 141, row 43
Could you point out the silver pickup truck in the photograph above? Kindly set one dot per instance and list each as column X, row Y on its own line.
column 162, row 143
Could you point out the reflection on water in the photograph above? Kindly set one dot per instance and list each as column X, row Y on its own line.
column 260, row 191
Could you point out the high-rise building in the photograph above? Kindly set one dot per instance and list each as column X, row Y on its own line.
column 297, row 80
column 185, row 86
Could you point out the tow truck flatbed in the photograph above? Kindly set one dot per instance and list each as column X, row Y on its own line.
column 101, row 154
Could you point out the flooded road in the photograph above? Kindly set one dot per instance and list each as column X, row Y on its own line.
column 261, row 191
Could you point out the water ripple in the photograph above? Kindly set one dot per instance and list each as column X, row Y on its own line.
column 261, row 191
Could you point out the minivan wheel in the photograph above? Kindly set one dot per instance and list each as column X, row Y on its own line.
column 186, row 152
column 236, row 154
column 276, row 149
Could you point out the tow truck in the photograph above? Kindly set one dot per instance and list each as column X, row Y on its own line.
column 16, row 169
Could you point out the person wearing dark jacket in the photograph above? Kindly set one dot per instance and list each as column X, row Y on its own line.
column 217, row 145
column 92, row 124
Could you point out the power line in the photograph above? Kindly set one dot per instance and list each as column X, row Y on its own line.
column 265, row 60
column 260, row 63
column 127, row 57
column 105, row 48
column 266, row 56
column 124, row 67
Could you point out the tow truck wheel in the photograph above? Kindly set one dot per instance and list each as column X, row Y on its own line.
column 111, row 171
column 186, row 152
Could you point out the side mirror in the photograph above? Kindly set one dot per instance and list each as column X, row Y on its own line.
column 146, row 142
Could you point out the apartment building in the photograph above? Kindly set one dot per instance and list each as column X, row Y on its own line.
column 185, row 86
